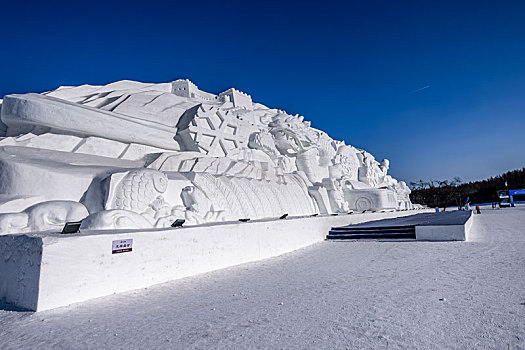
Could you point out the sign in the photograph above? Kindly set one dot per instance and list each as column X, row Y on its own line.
column 122, row 246
column 71, row 227
column 516, row 192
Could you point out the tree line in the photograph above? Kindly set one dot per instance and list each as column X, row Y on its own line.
column 447, row 193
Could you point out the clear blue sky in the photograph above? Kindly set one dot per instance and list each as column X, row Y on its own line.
column 351, row 67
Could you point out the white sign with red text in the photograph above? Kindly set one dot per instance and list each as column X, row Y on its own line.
column 122, row 246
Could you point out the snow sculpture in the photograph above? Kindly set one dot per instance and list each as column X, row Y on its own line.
column 130, row 155
column 45, row 216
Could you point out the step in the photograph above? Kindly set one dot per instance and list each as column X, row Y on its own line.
column 408, row 235
column 378, row 230
column 372, row 228
column 371, row 233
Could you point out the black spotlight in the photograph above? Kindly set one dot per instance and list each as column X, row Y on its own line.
column 284, row 216
column 314, row 214
column 71, row 227
column 244, row 220
column 178, row 223
column 334, row 214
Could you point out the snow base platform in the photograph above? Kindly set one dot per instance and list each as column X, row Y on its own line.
column 41, row 271
column 447, row 226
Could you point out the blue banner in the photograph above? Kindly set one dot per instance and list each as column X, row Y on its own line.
column 516, row 192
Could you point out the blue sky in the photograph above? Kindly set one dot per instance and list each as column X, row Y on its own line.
column 353, row 68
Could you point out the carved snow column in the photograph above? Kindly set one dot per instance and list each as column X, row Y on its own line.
column 320, row 195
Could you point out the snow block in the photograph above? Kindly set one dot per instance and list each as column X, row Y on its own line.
column 20, row 267
column 47, row 270
column 453, row 232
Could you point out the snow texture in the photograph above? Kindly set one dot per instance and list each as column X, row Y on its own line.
column 332, row 295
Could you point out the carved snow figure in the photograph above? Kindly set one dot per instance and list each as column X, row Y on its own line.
column 347, row 158
column 136, row 190
column 370, row 172
column 334, row 187
column 195, row 200
column 327, row 151
column 45, row 216
column 199, row 207
column 115, row 219
column 286, row 165
column 385, row 180
column 336, row 195
column 14, row 223
column 385, row 165
column 294, row 138
column 54, row 214
column 402, row 192
column 139, row 191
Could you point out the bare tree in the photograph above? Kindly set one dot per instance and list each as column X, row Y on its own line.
column 435, row 193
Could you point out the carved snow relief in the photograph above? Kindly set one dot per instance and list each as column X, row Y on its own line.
column 131, row 155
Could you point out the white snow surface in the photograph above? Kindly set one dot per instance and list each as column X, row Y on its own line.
column 337, row 295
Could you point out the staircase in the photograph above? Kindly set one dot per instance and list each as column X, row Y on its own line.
column 379, row 232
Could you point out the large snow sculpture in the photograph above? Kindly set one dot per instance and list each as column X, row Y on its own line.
column 131, row 155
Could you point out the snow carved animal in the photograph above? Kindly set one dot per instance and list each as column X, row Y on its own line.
column 135, row 190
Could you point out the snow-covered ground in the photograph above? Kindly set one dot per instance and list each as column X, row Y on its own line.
column 425, row 295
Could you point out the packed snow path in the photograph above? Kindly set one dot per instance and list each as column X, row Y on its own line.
column 427, row 219
column 400, row 295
